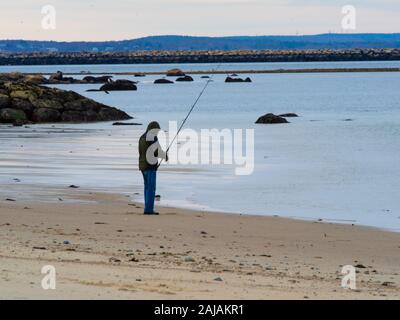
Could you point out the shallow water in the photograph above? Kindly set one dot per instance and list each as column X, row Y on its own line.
column 317, row 167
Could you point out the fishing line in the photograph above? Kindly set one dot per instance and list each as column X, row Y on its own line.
column 191, row 109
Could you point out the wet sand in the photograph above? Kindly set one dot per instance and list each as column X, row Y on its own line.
column 103, row 247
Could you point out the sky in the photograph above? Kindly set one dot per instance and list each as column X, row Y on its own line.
column 96, row 20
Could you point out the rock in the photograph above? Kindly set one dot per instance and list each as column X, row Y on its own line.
column 8, row 115
column 23, row 105
column 175, row 73
column 271, row 118
column 360, row 266
column 126, row 124
column 20, row 77
column 46, row 115
column 58, row 76
column 36, row 79
column 205, row 77
column 21, row 101
column 4, row 101
column 388, row 284
column 288, row 115
column 114, row 260
column 73, row 186
column 111, row 114
column 139, row 75
column 66, row 242
column 82, row 105
column 102, row 79
column 230, row 79
column 19, row 123
column 23, row 94
column 218, row 279
column 189, row 259
column 78, row 116
column 47, row 103
column 163, row 81
column 185, row 79
column 119, row 85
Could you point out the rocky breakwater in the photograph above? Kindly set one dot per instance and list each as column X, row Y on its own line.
column 26, row 102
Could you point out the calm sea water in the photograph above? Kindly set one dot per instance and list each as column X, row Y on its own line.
column 317, row 167
column 117, row 68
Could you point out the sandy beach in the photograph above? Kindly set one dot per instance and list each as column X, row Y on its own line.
column 104, row 248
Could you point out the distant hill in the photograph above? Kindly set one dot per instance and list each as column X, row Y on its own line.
column 323, row 41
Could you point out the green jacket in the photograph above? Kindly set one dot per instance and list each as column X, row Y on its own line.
column 146, row 141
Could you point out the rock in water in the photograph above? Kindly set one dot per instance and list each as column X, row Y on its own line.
column 271, row 118
column 102, row 79
column 289, row 115
column 163, row 81
column 119, row 85
column 175, row 73
column 22, row 102
column 230, row 79
column 185, row 78
column 58, row 76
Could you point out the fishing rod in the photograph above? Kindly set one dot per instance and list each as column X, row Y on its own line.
column 190, row 111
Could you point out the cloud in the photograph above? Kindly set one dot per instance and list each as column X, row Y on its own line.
column 121, row 19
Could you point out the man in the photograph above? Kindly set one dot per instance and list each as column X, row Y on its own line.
column 149, row 153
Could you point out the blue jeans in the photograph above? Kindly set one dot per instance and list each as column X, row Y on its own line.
column 149, row 177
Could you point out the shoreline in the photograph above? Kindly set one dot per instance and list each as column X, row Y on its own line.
column 116, row 252
column 50, row 194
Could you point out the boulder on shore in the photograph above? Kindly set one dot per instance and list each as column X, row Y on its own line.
column 163, row 81
column 22, row 102
column 271, row 118
column 175, row 73
column 185, row 79
column 10, row 115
